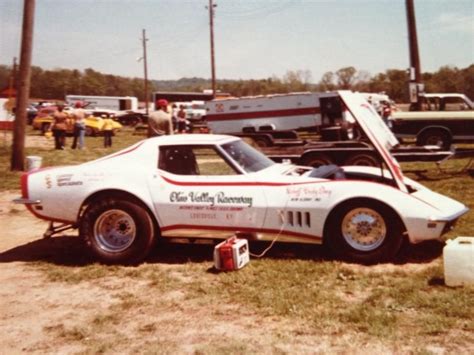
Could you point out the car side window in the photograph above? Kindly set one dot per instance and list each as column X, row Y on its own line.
column 193, row 160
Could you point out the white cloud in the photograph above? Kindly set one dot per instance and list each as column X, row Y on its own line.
column 453, row 22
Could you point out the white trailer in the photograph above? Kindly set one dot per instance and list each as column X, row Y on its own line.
column 117, row 103
column 274, row 115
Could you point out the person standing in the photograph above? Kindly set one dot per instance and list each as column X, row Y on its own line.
column 108, row 131
column 160, row 120
column 59, row 128
column 79, row 116
column 181, row 119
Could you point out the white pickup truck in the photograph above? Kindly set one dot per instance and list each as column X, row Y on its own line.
column 444, row 119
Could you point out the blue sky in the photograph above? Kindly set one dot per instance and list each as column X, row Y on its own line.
column 253, row 38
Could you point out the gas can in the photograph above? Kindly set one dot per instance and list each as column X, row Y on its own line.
column 231, row 254
column 458, row 259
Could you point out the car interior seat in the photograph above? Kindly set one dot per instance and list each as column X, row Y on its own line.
column 328, row 172
column 180, row 161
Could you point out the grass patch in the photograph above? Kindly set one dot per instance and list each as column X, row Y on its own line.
column 402, row 307
column 94, row 149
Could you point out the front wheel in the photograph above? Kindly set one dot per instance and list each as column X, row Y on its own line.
column 118, row 231
column 364, row 231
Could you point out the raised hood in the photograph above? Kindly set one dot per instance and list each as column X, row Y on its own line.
column 376, row 131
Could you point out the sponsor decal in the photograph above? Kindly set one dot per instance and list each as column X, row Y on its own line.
column 307, row 193
column 66, row 180
column 49, row 182
column 219, row 198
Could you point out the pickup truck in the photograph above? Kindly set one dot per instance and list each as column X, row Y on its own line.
column 444, row 119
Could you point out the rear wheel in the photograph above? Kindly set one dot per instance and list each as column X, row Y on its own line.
column 364, row 231
column 90, row 132
column 317, row 160
column 118, row 231
column 262, row 142
column 364, row 159
column 436, row 137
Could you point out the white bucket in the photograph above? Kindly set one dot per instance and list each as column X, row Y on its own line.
column 33, row 162
column 458, row 256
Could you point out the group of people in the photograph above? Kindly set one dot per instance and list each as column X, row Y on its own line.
column 59, row 128
column 162, row 122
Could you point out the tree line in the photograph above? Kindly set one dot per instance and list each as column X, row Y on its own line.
column 56, row 84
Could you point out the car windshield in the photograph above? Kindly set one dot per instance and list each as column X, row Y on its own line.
column 250, row 159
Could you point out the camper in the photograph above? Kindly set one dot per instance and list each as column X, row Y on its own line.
column 117, row 103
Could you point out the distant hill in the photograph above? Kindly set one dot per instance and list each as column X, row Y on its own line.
column 183, row 84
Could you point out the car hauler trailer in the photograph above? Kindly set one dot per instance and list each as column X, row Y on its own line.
column 117, row 103
column 275, row 119
column 273, row 122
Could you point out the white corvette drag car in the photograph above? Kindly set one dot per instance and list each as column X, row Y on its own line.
column 214, row 186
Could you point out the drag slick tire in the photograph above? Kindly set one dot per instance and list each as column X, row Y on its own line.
column 117, row 231
column 364, row 231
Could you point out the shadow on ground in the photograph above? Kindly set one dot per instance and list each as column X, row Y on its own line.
column 70, row 251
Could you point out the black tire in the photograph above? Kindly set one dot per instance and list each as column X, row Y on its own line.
column 90, row 132
column 438, row 137
column 45, row 127
column 262, row 142
column 376, row 237
column 118, row 231
column 362, row 159
column 316, row 160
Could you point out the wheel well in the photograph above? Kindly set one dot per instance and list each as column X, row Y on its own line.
column 359, row 200
column 119, row 194
column 434, row 128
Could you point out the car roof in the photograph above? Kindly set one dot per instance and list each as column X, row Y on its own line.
column 196, row 138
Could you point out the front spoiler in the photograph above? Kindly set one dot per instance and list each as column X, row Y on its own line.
column 450, row 218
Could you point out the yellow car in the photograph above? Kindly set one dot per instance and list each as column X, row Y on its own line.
column 94, row 121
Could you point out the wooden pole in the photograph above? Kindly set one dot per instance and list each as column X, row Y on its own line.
column 415, row 71
column 145, row 70
column 213, row 68
column 23, row 89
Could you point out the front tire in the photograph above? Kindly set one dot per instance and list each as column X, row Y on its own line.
column 364, row 231
column 118, row 231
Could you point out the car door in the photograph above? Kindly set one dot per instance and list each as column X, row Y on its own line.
column 198, row 193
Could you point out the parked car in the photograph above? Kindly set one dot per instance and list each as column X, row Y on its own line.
column 445, row 119
column 94, row 120
column 214, row 186
column 131, row 118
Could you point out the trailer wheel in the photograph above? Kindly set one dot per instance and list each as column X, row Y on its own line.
column 362, row 159
column 438, row 137
column 316, row 160
column 262, row 142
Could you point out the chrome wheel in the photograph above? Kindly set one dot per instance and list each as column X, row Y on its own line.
column 115, row 230
column 364, row 229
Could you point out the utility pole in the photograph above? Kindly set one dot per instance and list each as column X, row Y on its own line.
column 415, row 86
column 145, row 70
column 23, row 88
column 211, row 25
column 12, row 82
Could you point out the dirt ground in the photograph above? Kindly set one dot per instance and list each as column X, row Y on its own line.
column 41, row 316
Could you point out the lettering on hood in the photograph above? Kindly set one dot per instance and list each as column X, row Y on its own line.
column 219, row 198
